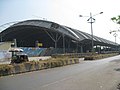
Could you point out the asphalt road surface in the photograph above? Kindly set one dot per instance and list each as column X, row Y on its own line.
column 101, row 74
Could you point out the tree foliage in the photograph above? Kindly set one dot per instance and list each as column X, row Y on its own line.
column 116, row 19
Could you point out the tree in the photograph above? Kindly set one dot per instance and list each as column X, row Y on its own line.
column 116, row 19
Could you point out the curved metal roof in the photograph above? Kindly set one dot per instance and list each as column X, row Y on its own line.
column 72, row 33
column 48, row 25
column 83, row 35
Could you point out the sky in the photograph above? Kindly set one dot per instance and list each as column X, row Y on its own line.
column 64, row 12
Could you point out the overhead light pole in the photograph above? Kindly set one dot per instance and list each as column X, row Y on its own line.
column 115, row 35
column 91, row 20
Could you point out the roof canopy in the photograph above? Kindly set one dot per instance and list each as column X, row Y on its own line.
column 77, row 35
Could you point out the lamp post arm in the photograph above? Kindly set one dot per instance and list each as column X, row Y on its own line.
column 91, row 20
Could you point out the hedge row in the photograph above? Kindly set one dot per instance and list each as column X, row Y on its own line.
column 99, row 56
column 35, row 65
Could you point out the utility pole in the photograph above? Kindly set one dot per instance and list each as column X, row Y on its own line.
column 91, row 20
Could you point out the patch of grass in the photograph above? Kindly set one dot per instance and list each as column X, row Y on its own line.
column 7, row 69
column 99, row 56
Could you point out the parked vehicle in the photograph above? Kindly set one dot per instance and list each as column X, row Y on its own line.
column 19, row 58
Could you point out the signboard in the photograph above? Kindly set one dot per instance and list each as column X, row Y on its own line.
column 40, row 44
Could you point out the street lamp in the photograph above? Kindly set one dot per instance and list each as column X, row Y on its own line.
column 91, row 20
column 115, row 35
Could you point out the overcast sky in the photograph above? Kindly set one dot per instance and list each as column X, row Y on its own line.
column 65, row 12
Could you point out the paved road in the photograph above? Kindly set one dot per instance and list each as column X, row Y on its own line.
column 87, row 75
